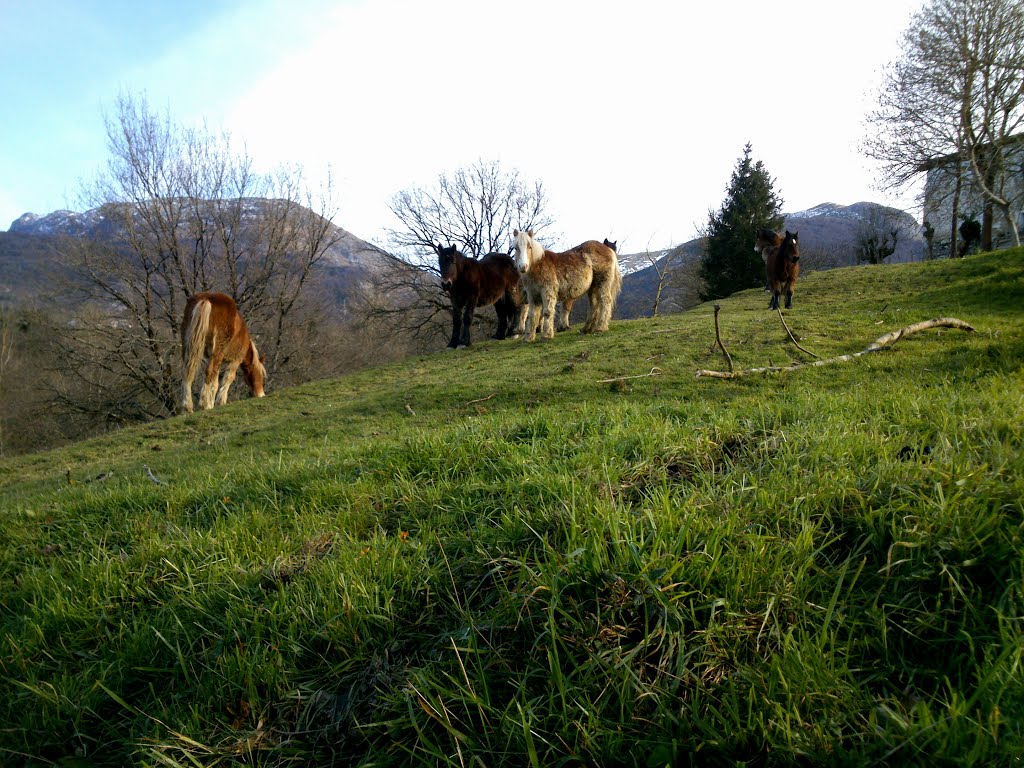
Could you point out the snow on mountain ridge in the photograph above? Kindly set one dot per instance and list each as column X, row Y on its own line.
column 834, row 210
column 348, row 251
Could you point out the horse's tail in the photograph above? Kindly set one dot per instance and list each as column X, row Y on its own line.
column 608, row 285
column 195, row 333
column 193, row 346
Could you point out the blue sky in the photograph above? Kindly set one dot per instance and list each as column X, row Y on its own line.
column 631, row 113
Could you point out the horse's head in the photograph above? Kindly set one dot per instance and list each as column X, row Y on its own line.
column 613, row 245
column 789, row 249
column 527, row 250
column 447, row 265
column 766, row 238
column 254, row 371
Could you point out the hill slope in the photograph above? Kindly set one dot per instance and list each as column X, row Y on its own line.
column 566, row 552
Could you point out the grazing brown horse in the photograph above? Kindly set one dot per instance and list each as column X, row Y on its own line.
column 212, row 328
column 549, row 277
column 493, row 279
column 782, row 263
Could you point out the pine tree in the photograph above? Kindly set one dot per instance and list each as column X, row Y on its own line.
column 730, row 263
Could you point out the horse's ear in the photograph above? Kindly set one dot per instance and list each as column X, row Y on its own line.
column 530, row 233
column 515, row 233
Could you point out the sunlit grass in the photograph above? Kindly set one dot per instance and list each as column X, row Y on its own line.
column 498, row 557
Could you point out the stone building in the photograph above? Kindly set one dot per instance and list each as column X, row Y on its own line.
column 940, row 197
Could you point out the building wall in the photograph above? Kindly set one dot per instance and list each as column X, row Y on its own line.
column 938, row 196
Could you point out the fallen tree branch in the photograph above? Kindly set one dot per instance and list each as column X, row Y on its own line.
column 718, row 339
column 655, row 371
column 878, row 344
column 482, row 399
column 791, row 337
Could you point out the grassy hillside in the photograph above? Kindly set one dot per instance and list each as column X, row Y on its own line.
column 498, row 557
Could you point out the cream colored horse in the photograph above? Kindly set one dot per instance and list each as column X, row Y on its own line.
column 549, row 277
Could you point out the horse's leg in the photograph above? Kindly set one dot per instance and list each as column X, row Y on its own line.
column 789, row 296
column 467, row 322
column 456, row 326
column 601, row 306
column 599, row 286
column 564, row 315
column 533, row 318
column 774, row 303
column 209, row 390
column 505, row 309
column 521, row 313
column 226, row 381
column 547, row 313
column 186, row 384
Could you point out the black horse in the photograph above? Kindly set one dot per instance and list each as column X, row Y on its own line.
column 493, row 279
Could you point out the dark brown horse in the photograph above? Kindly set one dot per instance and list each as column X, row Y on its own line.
column 782, row 263
column 213, row 328
column 493, row 279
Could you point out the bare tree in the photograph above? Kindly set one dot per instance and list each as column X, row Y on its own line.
column 662, row 263
column 683, row 284
column 183, row 211
column 475, row 208
column 953, row 102
column 879, row 234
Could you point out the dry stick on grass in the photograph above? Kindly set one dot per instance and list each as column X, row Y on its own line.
column 880, row 343
column 718, row 338
column 482, row 399
column 791, row 337
column 655, row 371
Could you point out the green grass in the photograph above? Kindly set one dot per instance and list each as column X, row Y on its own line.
column 493, row 557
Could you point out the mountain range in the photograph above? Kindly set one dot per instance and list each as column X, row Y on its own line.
column 30, row 254
column 829, row 234
column 829, row 237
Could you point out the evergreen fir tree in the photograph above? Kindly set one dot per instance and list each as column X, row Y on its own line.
column 730, row 263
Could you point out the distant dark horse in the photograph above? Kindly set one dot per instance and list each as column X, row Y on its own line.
column 781, row 261
column 493, row 279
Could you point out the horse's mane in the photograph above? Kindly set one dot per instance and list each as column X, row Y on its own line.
column 789, row 244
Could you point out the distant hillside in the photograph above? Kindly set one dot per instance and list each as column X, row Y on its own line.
column 30, row 254
column 828, row 238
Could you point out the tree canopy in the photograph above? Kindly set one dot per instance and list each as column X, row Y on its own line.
column 954, row 101
column 729, row 263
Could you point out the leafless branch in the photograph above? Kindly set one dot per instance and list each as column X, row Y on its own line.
column 880, row 343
